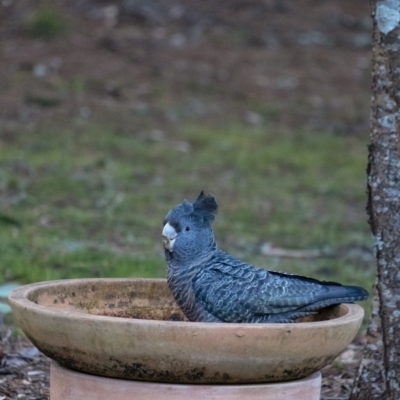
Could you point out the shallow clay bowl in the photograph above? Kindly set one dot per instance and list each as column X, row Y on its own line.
column 132, row 329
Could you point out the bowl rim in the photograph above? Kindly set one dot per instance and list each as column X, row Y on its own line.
column 18, row 298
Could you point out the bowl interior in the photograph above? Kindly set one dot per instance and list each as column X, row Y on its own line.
column 139, row 298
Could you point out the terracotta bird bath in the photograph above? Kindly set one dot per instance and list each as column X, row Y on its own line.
column 97, row 330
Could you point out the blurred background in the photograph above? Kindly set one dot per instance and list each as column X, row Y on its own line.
column 112, row 112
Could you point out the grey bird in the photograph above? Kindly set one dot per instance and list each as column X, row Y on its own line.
column 210, row 285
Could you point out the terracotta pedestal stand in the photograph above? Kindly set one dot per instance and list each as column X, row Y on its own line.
column 66, row 384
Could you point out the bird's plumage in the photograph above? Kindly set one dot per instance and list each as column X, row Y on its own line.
column 210, row 285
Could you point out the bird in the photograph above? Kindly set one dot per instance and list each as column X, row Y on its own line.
column 210, row 285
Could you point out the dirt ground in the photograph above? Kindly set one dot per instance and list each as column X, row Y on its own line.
column 295, row 65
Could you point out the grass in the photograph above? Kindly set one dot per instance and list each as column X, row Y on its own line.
column 80, row 200
column 46, row 23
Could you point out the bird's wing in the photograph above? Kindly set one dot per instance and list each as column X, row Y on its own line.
column 235, row 291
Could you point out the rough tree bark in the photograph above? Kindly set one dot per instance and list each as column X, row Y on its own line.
column 379, row 374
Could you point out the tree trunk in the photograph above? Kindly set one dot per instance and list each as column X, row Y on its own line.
column 379, row 374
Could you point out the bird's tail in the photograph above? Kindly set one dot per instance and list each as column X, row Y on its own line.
column 343, row 294
column 338, row 294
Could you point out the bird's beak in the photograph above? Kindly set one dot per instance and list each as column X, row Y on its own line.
column 168, row 236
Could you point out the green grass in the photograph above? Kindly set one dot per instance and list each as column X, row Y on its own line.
column 45, row 22
column 81, row 200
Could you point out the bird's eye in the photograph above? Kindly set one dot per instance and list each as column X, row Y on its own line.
column 187, row 228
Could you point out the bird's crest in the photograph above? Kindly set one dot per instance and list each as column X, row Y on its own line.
column 205, row 207
column 202, row 210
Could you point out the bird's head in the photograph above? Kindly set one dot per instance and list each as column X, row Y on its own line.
column 187, row 234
